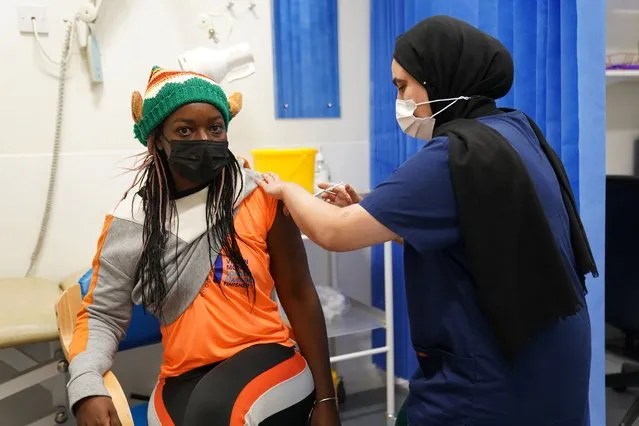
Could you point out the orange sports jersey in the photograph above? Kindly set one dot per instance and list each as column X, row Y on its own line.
column 222, row 320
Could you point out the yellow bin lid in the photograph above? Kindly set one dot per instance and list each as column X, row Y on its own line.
column 280, row 151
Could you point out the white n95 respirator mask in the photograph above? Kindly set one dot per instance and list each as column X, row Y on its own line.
column 419, row 127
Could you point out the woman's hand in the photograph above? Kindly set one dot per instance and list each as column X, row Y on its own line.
column 272, row 185
column 96, row 411
column 342, row 196
column 325, row 414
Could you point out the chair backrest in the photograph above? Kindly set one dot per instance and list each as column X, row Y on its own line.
column 622, row 252
column 144, row 328
column 66, row 311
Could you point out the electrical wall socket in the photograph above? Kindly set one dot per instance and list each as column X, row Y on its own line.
column 27, row 13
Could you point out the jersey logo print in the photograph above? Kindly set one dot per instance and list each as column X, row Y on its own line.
column 224, row 273
column 218, row 269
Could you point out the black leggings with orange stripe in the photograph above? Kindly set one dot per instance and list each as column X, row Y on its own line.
column 262, row 385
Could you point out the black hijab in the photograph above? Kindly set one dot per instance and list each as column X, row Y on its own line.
column 523, row 284
column 452, row 58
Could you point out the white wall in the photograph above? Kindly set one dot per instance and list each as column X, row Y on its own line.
column 97, row 132
column 97, row 136
column 622, row 113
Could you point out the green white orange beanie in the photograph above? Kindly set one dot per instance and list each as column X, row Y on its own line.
column 169, row 90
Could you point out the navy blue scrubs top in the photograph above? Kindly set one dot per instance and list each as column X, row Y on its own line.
column 462, row 378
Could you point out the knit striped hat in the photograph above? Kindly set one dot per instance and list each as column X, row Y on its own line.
column 169, row 90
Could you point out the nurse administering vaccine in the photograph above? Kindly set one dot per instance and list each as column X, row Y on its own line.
column 495, row 254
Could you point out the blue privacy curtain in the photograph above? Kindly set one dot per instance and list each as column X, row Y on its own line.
column 306, row 59
column 559, row 51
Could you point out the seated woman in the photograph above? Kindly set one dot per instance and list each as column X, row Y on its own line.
column 202, row 249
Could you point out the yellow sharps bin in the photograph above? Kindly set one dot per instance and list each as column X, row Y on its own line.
column 290, row 164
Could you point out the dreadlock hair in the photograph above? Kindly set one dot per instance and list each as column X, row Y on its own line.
column 158, row 202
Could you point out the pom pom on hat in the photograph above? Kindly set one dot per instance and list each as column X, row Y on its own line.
column 235, row 103
column 136, row 106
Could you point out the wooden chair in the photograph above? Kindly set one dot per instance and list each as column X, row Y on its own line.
column 66, row 310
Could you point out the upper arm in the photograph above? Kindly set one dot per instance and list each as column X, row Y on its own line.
column 289, row 265
column 107, row 306
column 106, row 310
column 417, row 202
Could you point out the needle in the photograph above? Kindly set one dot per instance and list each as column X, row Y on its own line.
column 319, row 193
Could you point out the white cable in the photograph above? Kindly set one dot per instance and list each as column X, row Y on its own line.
column 42, row 49
column 66, row 49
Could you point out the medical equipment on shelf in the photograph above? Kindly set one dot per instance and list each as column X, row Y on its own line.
column 322, row 172
column 233, row 63
column 333, row 302
column 622, row 61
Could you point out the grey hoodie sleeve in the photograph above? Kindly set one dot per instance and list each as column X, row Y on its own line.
column 106, row 309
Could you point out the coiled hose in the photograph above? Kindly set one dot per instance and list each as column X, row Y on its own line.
column 65, row 56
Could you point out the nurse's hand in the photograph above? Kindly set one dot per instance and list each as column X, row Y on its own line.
column 342, row 196
column 272, row 185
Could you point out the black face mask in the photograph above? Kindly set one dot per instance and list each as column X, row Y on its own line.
column 198, row 161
